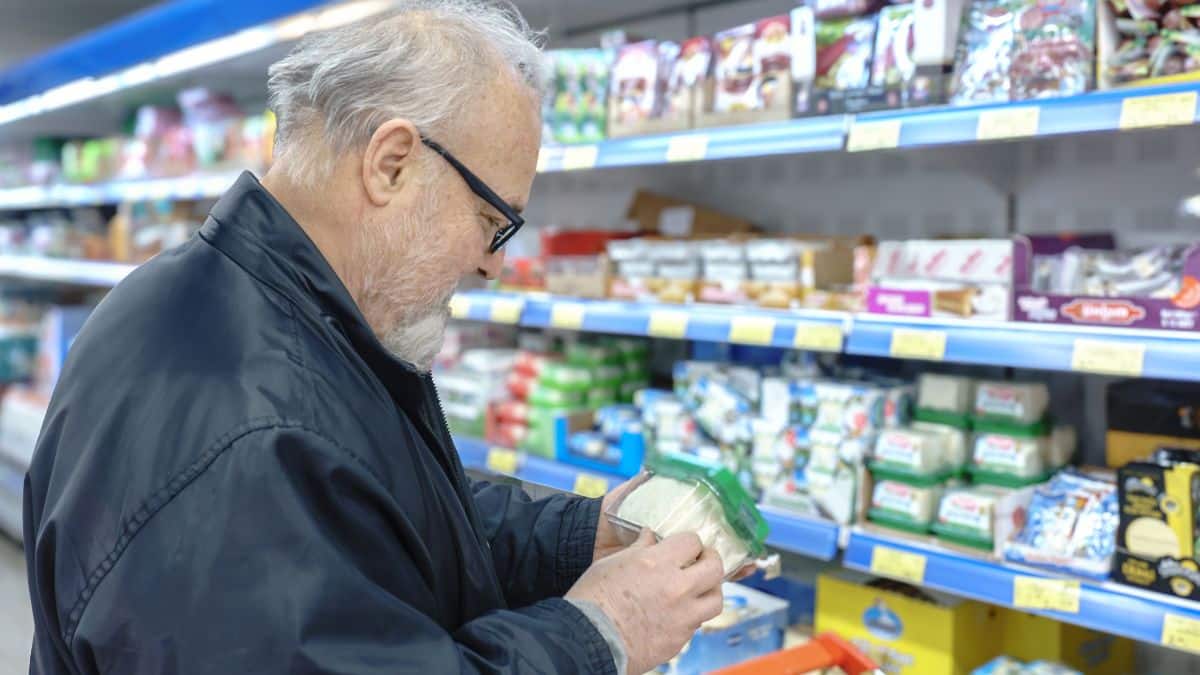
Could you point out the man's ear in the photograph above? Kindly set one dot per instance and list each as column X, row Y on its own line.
column 388, row 161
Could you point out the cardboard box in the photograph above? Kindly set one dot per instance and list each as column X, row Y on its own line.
column 929, row 634
column 1029, row 637
column 969, row 278
column 1156, row 535
column 751, row 626
column 1144, row 415
column 1178, row 312
column 660, row 214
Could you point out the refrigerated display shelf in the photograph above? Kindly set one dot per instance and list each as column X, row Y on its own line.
column 63, row 270
column 1110, row 351
column 200, row 186
column 1103, row 606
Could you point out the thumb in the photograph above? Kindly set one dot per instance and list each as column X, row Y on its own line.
column 645, row 538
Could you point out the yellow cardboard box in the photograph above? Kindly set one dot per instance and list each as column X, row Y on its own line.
column 933, row 635
column 1028, row 638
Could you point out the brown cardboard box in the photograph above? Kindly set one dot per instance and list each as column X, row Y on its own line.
column 678, row 218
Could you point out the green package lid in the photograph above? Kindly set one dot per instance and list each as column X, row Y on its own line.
column 906, row 475
column 896, row 520
column 985, row 477
column 950, row 419
column 956, row 534
column 740, row 510
column 565, row 377
column 986, row 424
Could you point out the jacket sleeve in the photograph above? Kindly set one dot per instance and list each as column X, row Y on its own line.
column 286, row 554
column 540, row 548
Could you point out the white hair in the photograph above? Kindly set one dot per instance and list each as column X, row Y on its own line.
column 425, row 61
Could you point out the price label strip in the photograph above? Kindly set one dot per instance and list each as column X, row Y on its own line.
column 579, row 157
column 1060, row 595
column 1003, row 123
column 913, row 343
column 1181, row 632
column 1160, row 110
column 590, row 486
column 816, row 337
column 567, row 315
column 1108, row 358
column 752, row 330
column 505, row 310
column 890, row 562
column 687, row 148
column 460, row 307
column 667, row 324
column 502, row 461
column 881, row 135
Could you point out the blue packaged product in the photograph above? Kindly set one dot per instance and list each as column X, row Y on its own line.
column 614, row 420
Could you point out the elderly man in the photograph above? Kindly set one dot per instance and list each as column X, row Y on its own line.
column 245, row 469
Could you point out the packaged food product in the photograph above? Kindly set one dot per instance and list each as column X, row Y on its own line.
column 853, row 410
column 565, row 377
column 956, row 442
column 833, row 476
column 966, row 516
column 1009, row 461
column 950, row 394
column 1148, row 42
column 681, row 494
column 736, row 70
column 1070, row 525
column 635, row 84
column 511, row 411
column 723, row 413
column 1015, row 402
column 614, row 420
column 548, row 397
column 1158, row 530
column 1143, row 415
column 773, row 58
column 833, row 9
column 844, row 48
column 893, row 64
column 577, row 103
column 520, row 385
column 903, row 506
column 984, row 61
column 912, row 455
column 1054, row 49
column 687, row 79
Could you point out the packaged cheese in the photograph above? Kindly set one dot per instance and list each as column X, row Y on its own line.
column 1015, row 402
column 966, row 516
column 912, row 455
column 907, row 507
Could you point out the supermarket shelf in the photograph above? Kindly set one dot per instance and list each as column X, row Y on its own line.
column 83, row 272
column 1164, row 354
column 1094, row 111
column 1103, row 606
column 12, row 491
column 532, row 469
column 200, row 186
column 815, row 329
column 814, row 134
column 806, row 536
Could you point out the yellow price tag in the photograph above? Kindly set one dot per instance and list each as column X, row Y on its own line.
column 880, row 135
column 687, row 148
column 1061, row 595
column 579, row 157
column 818, row 337
column 1180, row 632
column 890, row 562
column 1108, row 358
column 1001, row 123
column 568, row 315
column 590, row 486
column 507, row 311
column 460, row 307
column 668, row 324
column 913, row 343
column 752, row 330
column 543, row 160
column 1160, row 110
column 502, row 461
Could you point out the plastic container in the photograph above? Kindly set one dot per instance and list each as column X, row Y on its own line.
column 678, row 493
column 967, row 516
column 1011, row 402
column 913, row 456
column 906, row 507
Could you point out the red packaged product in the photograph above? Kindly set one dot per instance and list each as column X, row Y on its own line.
column 530, row 363
column 508, row 434
column 520, row 384
column 511, row 412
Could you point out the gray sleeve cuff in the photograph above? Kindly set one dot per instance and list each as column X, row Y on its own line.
column 607, row 630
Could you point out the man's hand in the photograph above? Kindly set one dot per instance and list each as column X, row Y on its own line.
column 608, row 540
column 657, row 594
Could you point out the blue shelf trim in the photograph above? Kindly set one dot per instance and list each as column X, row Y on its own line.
column 815, row 134
column 710, row 323
column 473, row 453
column 808, row 537
column 1024, row 345
column 1094, row 111
column 143, row 36
column 1105, row 607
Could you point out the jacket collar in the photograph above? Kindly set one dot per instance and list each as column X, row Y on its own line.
column 251, row 227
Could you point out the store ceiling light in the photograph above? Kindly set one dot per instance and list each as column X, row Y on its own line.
column 204, row 54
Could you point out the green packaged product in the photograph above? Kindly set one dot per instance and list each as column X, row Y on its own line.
column 565, row 377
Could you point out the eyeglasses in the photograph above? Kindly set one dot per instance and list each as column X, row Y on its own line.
column 485, row 193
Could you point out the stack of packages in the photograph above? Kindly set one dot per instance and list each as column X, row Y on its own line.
column 996, row 434
column 544, row 385
column 575, row 107
column 1148, row 42
column 467, row 389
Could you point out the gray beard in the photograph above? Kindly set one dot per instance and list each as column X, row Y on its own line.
column 419, row 339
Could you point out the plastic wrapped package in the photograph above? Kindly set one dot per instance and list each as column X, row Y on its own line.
column 956, row 443
column 614, row 420
column 966, row 516
column 844, row 48
column 985, row 52
column 1013, row 402
column 893, row 64
column 1009, row 461
column 680, row 494
column 950, row 394
column 1054, row 49
column 565, row 377
column 912, row 455
column 903, row 506
column 1070, row 525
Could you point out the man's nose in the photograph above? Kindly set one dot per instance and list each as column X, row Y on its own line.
column 492, row 264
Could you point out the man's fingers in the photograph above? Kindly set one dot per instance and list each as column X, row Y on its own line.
column 682, row 548
column 710, row 605
column 706, row 573
column 645, row 538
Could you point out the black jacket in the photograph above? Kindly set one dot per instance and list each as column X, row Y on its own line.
column 235, row 477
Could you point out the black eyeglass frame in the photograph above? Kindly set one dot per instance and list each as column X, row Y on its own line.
column 515, row 221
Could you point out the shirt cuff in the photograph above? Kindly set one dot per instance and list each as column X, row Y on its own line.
column 608, row 630
column 577, row 542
